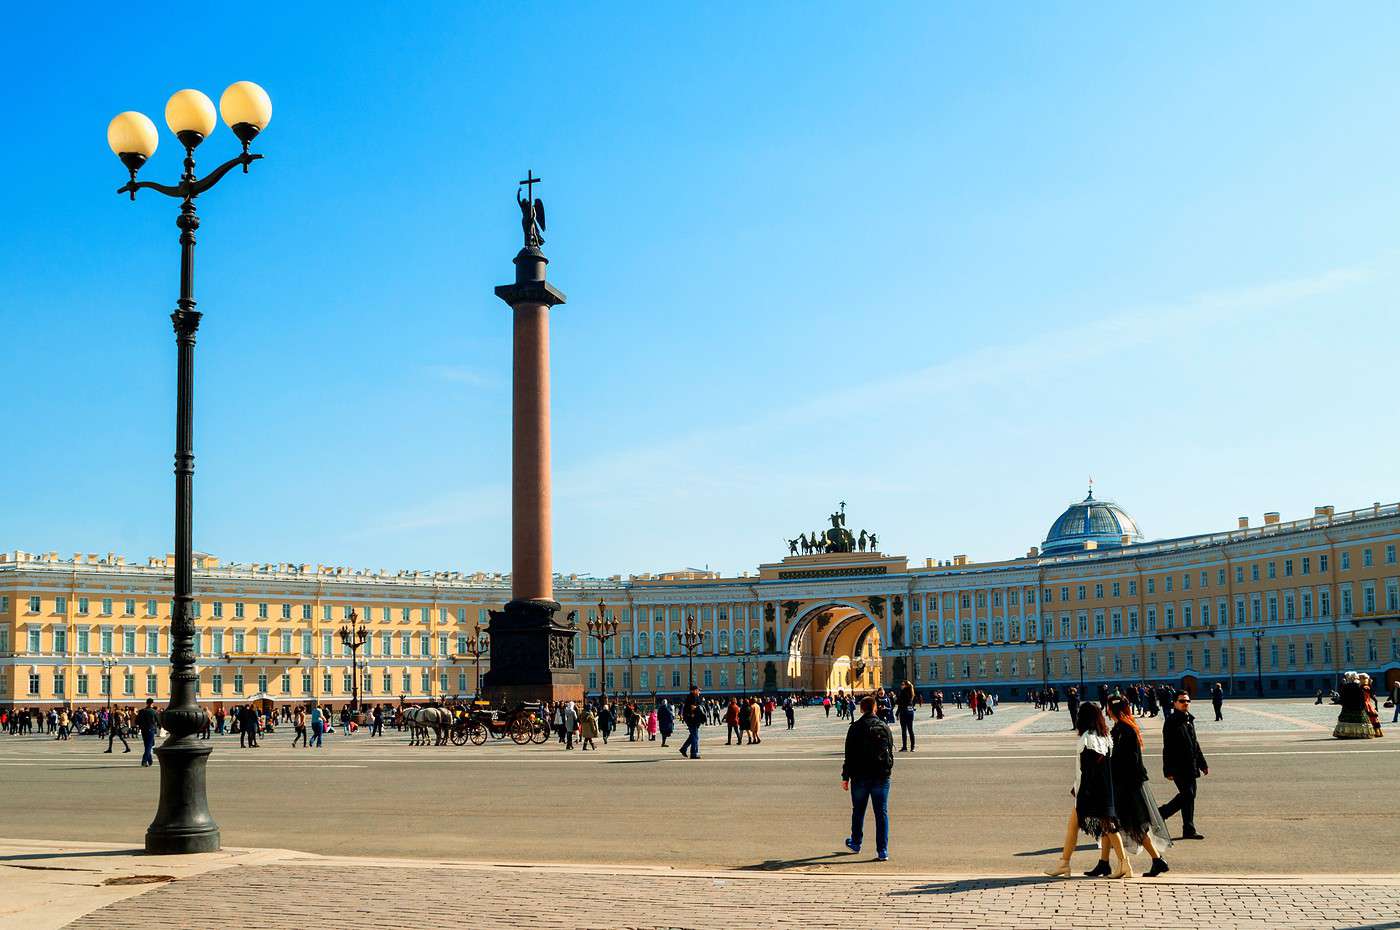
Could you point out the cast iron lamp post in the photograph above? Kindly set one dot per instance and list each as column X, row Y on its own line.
column 602, row 631
column 690, row 640
column 478, row 646
column 352, row 637
column 1079, row 648
column 107, row 665
column 743, row 653
column 1259, row 661
column 183, row 823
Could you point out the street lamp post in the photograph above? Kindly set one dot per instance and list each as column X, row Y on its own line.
column 478, row 646
column 1080, row 647
column 1259, row 661
column 743, row 654
column 689, row 639
column 182, row 822
column 353, row 637
column 602, row 630
column 107, row 665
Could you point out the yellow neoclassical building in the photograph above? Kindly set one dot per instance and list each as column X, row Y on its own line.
column 1281, row 607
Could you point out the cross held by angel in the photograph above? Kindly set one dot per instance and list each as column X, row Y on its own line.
column 531, row 211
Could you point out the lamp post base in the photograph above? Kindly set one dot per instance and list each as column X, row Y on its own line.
column 183, row 823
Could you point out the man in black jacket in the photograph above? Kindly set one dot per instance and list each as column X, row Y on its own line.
column 866, row 775
column 148, row 722
column 693, row 715
column 1182, row 764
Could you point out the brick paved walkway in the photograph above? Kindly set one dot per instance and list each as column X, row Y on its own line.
column 309, row 895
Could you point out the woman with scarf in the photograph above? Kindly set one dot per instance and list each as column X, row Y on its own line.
column 1093, row 810
column 1139, row 821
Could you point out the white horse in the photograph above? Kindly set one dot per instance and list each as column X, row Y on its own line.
column 422, row 719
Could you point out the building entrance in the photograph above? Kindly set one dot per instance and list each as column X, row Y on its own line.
column 834, row 647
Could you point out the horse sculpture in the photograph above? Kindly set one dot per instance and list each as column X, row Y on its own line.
column 422, row 719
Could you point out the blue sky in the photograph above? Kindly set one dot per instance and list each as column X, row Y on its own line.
column 940, row 262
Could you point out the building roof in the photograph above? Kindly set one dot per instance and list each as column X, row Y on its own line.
column 1102, row 523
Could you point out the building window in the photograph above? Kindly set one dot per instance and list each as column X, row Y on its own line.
column 1366, row 557
column 60, row 640
column 33, row 639
column 1288, row 568
column 151, row 683
column 1273, row 571
column 238, row 641
column 217, row 682
column 286, row 682
column 1346, row 561
column 238, row 610
column 128, row 683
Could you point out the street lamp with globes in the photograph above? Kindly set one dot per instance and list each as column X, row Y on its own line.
column 182, row 822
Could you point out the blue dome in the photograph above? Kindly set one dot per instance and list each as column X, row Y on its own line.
column 1102, row 522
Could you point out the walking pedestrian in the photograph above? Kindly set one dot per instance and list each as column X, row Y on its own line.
column 148, row 722
column 1093, row 810
column 299, row 727
column 1139, row 822
column 789, row 712
column 116, row 726
column 905, row 703
column 1217, row 699
column 865, row 773
column 570, row 716
column 665, row 721
column 693, row 716
column 378, row 728
column 732, row 733
column 318, row 725
column 1182, row 764
column 588, row 729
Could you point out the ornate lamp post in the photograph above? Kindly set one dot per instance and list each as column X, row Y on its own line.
column 183, row 823
column 478, row 646
column 1259, row 661
column 602, row 631
column 743, row 653
column 353, row 637
column 690, row 640
column 1079, row 648
column 107, row 665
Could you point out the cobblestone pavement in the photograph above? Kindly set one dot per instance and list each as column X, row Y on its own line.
column 309, row 895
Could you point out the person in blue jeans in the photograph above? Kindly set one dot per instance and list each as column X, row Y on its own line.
column 318, row 726
column 693, row 716
column 865, row 773
column 149, row 723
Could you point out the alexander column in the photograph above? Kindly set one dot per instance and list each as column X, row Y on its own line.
column 532, row 656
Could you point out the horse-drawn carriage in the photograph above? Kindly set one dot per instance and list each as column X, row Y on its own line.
column 523, row 724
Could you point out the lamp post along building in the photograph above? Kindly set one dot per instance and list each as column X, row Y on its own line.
column 1323, row 592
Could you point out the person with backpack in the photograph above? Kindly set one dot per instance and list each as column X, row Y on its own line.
column 865, row 773
column 693, row 716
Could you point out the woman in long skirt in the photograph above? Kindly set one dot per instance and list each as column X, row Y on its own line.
column 1093, row 810
column 1139, row 821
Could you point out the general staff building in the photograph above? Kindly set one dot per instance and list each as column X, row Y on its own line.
column 1282, row 607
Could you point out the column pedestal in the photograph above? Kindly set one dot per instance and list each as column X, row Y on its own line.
column 532, row 656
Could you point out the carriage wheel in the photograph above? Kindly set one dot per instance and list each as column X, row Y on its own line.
column 520, row 730
column 459, row 736
column 477, row 734
column 539, row 733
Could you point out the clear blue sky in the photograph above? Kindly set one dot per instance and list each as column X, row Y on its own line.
column 940, row 262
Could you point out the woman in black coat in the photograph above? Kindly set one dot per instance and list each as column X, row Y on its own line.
column 1139, row 821
column 1094, row 811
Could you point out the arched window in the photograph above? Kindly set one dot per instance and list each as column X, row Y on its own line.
column 724, row 641
column 658, row 644
column 756, row 642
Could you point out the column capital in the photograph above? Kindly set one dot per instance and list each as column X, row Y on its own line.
column 530, row 292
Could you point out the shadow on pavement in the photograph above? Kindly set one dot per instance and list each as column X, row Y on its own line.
column 74, row 855
column 777, row 865
column 963, row 886
column 1082, row 847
